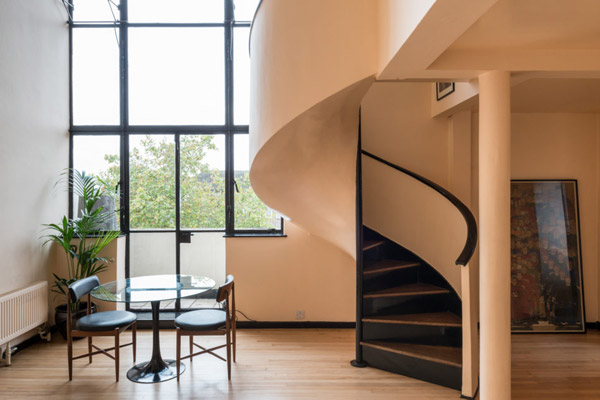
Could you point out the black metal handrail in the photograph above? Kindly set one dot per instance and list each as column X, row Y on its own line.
column 471, row 242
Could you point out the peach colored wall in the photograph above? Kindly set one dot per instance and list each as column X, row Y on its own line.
column 563, row 146
column 548, row 146
column 398, row 127
column 275, row 277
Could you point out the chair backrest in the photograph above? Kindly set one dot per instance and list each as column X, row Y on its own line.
column 82, row 287
column 225, row 289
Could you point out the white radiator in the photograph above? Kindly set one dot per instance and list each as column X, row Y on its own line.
column 21, row 311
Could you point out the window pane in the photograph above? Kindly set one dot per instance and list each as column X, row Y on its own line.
column 152, row 181
column 95, row 10
column 176, row 11
column 205, row 256
column 152, row 254
column 176, row 76
column 95, row 77
column 244, row 9
column 241, row 77
column 99, row 156
column 250, row 212
column 202, row 181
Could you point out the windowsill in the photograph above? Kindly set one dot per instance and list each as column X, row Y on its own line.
column 251, row 235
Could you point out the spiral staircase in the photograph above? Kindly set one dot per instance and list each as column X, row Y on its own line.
column 312, row 63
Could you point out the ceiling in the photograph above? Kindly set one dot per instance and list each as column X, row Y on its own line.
column 535, row 24
column 556, row 95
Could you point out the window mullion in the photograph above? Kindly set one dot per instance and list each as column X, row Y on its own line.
column 229, row 178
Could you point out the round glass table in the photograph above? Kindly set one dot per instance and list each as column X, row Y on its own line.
column 153, row 289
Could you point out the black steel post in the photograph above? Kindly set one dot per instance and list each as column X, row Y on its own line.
column 358, row 362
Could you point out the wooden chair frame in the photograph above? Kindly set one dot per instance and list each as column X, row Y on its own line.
column 228, row 330
column 71, row 333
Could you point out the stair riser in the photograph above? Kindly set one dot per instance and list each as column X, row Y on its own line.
column 434, row 335
column 410, row 304
column 376, row 282
column 431, row 276
column 440, row 374
column 388, row 250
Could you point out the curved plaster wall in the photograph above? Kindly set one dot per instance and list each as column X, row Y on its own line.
column 417, row 217
column 306, row 88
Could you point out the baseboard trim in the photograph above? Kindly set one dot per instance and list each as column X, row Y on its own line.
column 462, row 396
column 166, row 322
column 592, row 325
column 295, row 325
column 14, row 349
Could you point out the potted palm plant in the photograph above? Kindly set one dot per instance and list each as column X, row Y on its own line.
column 81, row 239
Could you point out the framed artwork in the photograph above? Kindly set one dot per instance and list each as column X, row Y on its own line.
column 546, row 274
column 443, row 89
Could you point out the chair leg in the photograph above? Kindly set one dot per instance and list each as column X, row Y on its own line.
column 228, row 354
column 234, row 341
column 178, row 356
column 117, row 354
column 133, row 338
column 90, row 347
column 70, row 355
column 191, row 348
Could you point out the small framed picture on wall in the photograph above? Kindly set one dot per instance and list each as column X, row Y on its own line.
column 443, row 89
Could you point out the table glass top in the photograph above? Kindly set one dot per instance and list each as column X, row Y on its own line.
column 153, row 288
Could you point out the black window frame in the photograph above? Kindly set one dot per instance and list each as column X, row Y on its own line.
column 124, row 129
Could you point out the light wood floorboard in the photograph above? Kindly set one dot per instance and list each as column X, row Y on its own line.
column 294, row 364
column 556, row 366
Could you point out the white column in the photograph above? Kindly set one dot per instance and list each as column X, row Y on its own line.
column 494, row 228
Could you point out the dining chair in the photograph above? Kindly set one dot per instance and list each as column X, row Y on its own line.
column 106, row 323
column 213, row 321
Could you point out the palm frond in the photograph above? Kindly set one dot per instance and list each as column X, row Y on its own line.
column 83, row 259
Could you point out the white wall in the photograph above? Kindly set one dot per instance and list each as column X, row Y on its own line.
column 155, row 254
column 34, row 115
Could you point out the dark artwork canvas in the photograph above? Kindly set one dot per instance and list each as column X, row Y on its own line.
column 546, row 279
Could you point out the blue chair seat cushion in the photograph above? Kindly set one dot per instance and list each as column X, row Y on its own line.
column 201, row 320
column 106, row 321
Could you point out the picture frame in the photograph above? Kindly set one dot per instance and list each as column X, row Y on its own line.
column 443, row 89
column 546, row 269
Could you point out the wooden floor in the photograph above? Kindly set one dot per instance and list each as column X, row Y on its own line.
column 295, row 364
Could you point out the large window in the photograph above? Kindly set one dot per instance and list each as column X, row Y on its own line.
column 160, row 105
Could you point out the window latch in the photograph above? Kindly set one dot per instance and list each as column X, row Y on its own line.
column 236, row 186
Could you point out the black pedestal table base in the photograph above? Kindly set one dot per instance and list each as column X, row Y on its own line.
column 157, row 369
column 147, row 372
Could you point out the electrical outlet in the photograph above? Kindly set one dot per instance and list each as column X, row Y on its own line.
column 300, row 314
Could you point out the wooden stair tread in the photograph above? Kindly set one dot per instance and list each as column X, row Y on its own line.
column 388, row 265
column 445, row 318
column 370, row 244
column 413, row 289
column 440, row 354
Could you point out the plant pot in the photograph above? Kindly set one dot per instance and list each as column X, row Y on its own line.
column 60, row 317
